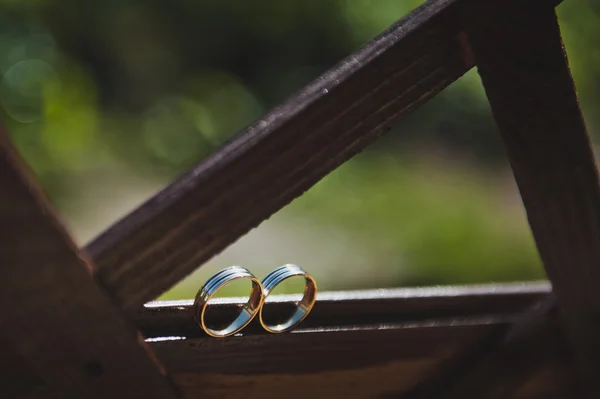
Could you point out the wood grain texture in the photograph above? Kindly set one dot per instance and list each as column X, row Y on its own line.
column 384, row 361
column 282, row 155
column 502, row 365
column 505, row 363
column 16, row 378
column 351, row 308
column 362, row 362
column 362, row 356
column 524, row 69
column 54, row 320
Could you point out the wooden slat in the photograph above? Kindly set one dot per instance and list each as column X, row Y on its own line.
column 521, row 367
column 417, row 333
column 507, row 364
column 524, row 70
column 365, row 362
column 357, row 363
column 352, row 308
column 282, row 155
column 54, row 319
column 379, row 361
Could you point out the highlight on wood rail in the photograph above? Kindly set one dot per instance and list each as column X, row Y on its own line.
column 350, row 308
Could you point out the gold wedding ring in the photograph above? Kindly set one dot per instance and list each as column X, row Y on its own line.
column 218, row 281
column 303, row 307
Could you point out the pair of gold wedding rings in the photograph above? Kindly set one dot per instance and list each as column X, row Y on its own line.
column 254, row 306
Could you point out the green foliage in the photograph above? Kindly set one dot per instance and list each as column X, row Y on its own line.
column 442, row 225
column 152, row 87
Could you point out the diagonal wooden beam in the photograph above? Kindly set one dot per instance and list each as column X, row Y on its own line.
column 286, row 152
column 53, row 316
column 525, row 72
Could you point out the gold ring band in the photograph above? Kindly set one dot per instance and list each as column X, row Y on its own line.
column 218, row 281
column 304, row 306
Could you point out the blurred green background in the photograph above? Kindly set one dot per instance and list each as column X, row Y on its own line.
column 110, row 100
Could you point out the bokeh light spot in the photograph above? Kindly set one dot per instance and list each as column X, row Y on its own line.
column 22, row 89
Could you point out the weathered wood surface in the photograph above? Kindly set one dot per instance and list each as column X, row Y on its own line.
column 364, row 355
column 352, row 308
column 282, row 155
column 54, row 320
column 500, row 366
column 16, row 378
column 384, row 344
column 381, row 361
column 525, row 72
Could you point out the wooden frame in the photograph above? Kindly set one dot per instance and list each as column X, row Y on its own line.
column 453, row 342
column 415, row 336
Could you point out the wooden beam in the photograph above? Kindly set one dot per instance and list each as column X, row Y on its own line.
column 358, row 362
column 524, row 69
column 499, row 366
column 55, row 319
column 365, row 354
column 374, row 362
column 504, row 363
column 282, row 155
column 352, row 308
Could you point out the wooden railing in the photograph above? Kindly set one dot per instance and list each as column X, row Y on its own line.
column 69, row 316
